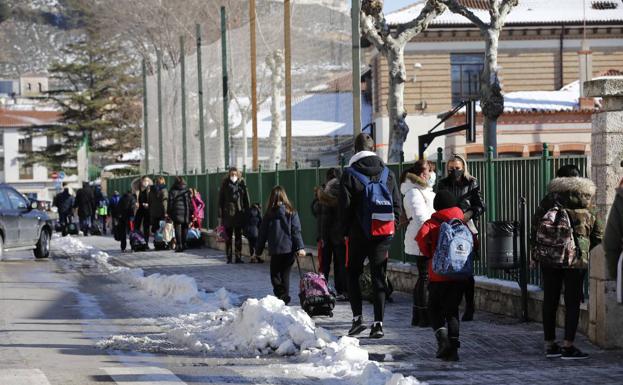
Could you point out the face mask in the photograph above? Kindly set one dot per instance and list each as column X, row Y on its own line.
column 432, row 179
column 457, row 174
column 233, row 179
column 145, row 184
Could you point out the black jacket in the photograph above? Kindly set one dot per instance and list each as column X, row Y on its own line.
column 233, row 203
column 467, row 192
column 85, row 202
column 282, row 231
column 253, row 222
column 64, row 202
column 158, row 201
column 329, row 223
column 126, row 207
column 179, row 206
column 351, row 194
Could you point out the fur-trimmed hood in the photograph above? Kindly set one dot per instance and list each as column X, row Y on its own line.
column 576, row 185
column 413, row 181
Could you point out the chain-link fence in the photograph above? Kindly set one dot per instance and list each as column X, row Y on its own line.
column 321, row 96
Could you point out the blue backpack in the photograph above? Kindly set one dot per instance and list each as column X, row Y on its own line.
column 454, row 253
column 376, row 212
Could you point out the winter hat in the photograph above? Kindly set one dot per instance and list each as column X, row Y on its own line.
column 444, row 200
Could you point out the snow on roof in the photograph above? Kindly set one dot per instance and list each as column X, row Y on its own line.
column 116, row 166
column 132, row 156
column 527, row 11
column 318, row 114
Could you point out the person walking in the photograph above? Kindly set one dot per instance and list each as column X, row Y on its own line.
column 466, row 190
column 64, row 202
column 281, row 228
column 180, row 211
column 332, row 242
column 564, row 230
column 158, row 202
column 198, row 208
column 85, row 205
column 444, row 292
column 418, row 206
column 233, row 204
column 252, row 226
column 124, row 214
column 369, row 210
column 101, row 207
column 142, row 221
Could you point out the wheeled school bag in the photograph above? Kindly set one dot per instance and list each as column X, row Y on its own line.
column 454, row 253
column 316, row 298
column 71, row 228
column 164, row 236
column 137, row 241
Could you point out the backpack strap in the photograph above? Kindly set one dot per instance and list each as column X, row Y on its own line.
column 384, row 175
column 360, row 177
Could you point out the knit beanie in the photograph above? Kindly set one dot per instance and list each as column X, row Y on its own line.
column 444, row 200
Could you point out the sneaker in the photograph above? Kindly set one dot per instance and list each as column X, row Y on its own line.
column 573, row 353
column 286, row 299
column 553, row 351
column 357, row 327
column 377, row 331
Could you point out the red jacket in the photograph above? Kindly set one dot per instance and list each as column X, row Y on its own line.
column 429, row 234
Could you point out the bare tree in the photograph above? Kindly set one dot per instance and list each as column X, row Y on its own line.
column 390, row 42
column 275, row 64
column 491, row 99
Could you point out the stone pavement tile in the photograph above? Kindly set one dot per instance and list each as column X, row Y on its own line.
column 494, row 349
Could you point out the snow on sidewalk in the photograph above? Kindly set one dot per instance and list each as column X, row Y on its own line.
column 259, row 327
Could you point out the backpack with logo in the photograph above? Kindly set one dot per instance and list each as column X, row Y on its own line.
column 454, row 253
column 376, row 213
column 555, row 243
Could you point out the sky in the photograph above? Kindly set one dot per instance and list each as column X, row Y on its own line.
column 392, row 5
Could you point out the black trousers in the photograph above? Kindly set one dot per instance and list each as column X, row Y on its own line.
column 553, row 281
column 443, row 305
column 122, row 228
column 280, row 267
column 231, row 232
column 181, row 230
column 142, row 222
column 252, row 244
column 420, row 291
column 470, row 286
column 336, row 253
column 376, row 253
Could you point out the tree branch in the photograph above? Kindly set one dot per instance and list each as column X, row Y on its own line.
column 369, row 30
column 408, row 31
column 456, row 7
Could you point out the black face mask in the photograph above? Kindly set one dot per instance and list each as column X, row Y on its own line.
column 456, row 174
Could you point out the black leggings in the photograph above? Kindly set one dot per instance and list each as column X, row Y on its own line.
column 181, row 230
column 420, row 291
column 231, row 232
column 553, row 280
column 280, row 267
column 376, row 252
column 443, row 305
column 335, row 253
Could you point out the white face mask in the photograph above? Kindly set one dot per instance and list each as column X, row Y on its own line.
column 145, row 184
column 431, row 179
column 234, row 179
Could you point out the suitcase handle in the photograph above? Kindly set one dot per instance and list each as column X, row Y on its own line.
column 299, row 265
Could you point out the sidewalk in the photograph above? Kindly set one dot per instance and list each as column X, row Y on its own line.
column 495, row 349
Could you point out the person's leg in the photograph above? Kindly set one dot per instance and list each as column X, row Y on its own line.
column 184, row 227
column 354, row 270
column 574, row 286
column 468, row 315
column 286, row 269
column 452, row 300
column 276, row 276
column 327, row 258
column 339, row 268
column 123, row 233
column 104, row 217
column 436, row 298
column 178, row 236
column 552, row 285
column 420, row 301
column 251, row 240
column 228, row 243
column 238, row 233
column 378, row 270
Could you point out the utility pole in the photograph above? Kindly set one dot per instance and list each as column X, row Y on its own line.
column 225, row 85
column 160, row 143
column 202, row 136
column 145, row 127
column 288, row 68
column 253, row 83
column 355, row 18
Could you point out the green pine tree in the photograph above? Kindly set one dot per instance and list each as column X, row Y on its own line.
column 98, row 99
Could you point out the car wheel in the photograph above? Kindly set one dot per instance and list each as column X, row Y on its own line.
column 42, row 250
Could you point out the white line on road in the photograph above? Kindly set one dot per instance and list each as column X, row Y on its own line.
column 23, row 377
column 143, row 375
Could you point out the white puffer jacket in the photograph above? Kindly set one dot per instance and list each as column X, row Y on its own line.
column 418, row 205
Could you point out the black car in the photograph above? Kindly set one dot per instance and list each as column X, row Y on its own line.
column 22, row 225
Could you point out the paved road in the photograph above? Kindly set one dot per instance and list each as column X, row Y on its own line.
column 53, row 312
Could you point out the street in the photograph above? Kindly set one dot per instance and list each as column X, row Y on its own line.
column 76, row 320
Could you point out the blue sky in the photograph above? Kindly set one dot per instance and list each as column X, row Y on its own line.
column 392, row 5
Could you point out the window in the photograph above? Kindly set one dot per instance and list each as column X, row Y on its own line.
column 29, row 87
column 6, row 87
column 25, row 172
column 18, row 202
column 40, row 88
column 465, row 71
column 4, row 201
column 24, row 145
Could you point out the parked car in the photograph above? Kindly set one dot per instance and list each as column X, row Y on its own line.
column 22, row 225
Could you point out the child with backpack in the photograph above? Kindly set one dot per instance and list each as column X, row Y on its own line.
column 252, row 230
column 281, row 227
column 448, row 244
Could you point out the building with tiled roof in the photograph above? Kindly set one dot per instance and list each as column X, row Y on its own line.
column 539, row 69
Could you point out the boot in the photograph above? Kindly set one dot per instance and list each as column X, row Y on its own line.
column 424, row 322
column 415, row 318
column 468, row 314
column 453, row 352
column 443, row 343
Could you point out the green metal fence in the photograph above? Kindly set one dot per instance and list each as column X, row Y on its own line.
column 503, row 182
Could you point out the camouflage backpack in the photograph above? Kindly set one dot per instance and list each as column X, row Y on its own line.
column 555, row 242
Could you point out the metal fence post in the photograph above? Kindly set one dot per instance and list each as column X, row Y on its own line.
column 490, row 188
column 402, row 231
column 296, row 184
column 183, row 76
column 202, row 137
column 160, row 135
column 207, row 197
column 545, row 163
column 439, row 163
column 259, row 184
column 276, row 174
column 225, row 85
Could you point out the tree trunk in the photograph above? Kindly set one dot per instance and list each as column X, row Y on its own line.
column 395, row 101
column 245, row 143
column 275, row 63
column 491, row 99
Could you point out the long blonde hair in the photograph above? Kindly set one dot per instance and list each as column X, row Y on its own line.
column 277, row 195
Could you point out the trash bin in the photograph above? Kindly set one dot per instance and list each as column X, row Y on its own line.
column 503, row 239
